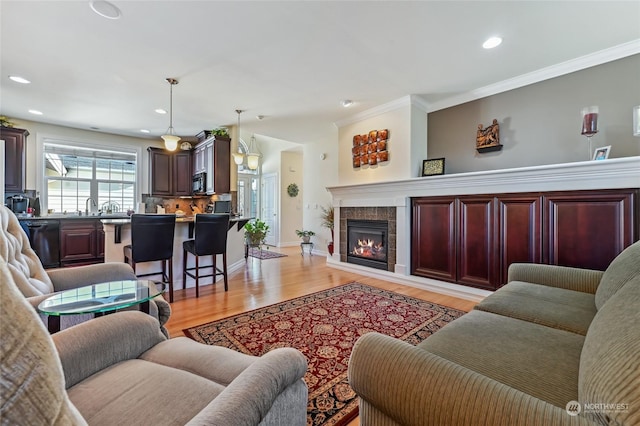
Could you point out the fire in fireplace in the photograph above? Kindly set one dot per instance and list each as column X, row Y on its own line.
column 367, row 243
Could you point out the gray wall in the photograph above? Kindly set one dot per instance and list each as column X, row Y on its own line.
column 541, row 123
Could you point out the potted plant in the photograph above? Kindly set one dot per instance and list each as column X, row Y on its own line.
column 327, row 222
column 255, row 232
column 305, row 235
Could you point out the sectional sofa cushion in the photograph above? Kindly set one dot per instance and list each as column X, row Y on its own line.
column 610, row 364
column 537, row 360
column 551, row 306
column 623, row 268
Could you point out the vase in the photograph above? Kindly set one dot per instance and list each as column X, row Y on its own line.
column 330, row 248
column 306, row 239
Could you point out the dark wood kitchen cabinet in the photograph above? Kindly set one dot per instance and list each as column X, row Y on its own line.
column 15, row 141
column 81, row 242
column 213, row 157
column 472, row 240
column 169, row 172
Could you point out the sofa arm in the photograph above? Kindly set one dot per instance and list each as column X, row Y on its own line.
column 94, row 345
column 577, row 279
column 79, row 276
column 249, row 397
column 414, row 387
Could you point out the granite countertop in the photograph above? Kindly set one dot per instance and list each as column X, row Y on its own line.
column 179, row 219
column 61, row 216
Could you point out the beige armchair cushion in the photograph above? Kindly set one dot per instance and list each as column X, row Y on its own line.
column 32, row 388
column 22, row 262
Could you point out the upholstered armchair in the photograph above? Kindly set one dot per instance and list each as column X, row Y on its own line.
column 120, row 369
column 36, row 284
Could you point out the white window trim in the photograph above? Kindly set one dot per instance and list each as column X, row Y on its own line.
column 43, row 138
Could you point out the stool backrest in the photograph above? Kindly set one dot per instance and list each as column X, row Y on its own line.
column 211, row 233
column 152, row 236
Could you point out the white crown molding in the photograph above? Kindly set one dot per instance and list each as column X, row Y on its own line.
column 372, row 112
column 413, row 100
column 577, row 64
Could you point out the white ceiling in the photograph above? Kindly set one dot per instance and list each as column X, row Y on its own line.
column 292, row 61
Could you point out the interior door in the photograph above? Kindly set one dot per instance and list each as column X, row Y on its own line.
column 270, row 196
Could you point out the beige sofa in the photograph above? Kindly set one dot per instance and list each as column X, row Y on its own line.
column 554, row 341
column 121, row 370
column 36, row 283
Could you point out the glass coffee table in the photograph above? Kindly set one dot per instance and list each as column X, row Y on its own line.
column 98, row 299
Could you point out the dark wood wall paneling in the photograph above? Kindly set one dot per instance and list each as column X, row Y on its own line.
column 472, row 240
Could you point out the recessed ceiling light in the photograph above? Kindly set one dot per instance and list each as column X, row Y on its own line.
column 161, row 111
column 346, row 103
column 19, row 79
column 35, row 112
column 144, row 131
column 492, row 42
column 105, row 9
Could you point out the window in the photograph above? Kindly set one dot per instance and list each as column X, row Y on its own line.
column 75, row 174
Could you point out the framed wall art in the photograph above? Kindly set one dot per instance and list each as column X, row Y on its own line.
column 601, row 153
column 433, row 167
column 370, row 149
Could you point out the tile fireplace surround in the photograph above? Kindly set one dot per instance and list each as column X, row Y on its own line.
column 380, row 200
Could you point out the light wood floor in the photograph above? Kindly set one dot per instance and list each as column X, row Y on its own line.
column 269, row 281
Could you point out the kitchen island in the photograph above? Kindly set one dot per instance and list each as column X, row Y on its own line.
column 117, row 234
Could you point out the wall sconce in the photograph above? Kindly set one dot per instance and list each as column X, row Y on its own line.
column 636, row 120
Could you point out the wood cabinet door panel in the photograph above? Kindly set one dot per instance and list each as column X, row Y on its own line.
column 588, row 229
column 182, row 181
column 160, row 172
column 222, row 166
column 519, row 231
column 77, row 244
column 433, row 250
column 14, row 162
column 476, row 259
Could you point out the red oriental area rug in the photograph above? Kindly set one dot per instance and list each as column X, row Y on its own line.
column 324, row 326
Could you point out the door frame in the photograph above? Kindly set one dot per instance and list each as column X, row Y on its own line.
column 273, row 237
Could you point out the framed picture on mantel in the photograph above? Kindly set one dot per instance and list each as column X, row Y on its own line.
column 433, row 167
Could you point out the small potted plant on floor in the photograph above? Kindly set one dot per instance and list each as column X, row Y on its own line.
column 327, row 222
column 305, row 235
column 255, row 232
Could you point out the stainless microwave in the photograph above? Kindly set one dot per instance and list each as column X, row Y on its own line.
column 199, row 185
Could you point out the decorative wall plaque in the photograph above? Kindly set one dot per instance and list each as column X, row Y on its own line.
column 370, row 149
column 488, row 140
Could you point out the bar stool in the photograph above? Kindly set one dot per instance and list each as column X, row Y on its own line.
column 152, row 240
column 210, row 240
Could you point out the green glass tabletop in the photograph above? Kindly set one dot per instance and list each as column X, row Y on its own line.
column 103, row 297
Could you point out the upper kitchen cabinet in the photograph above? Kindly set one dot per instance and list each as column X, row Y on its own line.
column 169, row 172
column 212, row 156
column 14, row 173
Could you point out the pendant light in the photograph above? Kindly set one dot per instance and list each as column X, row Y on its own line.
column 253, row 156
column 238, row 158
column 170, row 140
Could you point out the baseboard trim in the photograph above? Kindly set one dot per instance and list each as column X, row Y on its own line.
column 436, row 286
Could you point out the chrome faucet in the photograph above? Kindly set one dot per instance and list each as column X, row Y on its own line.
column 86, row 205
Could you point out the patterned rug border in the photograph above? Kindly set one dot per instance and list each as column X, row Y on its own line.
column 265, row 254
column 297, row 302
